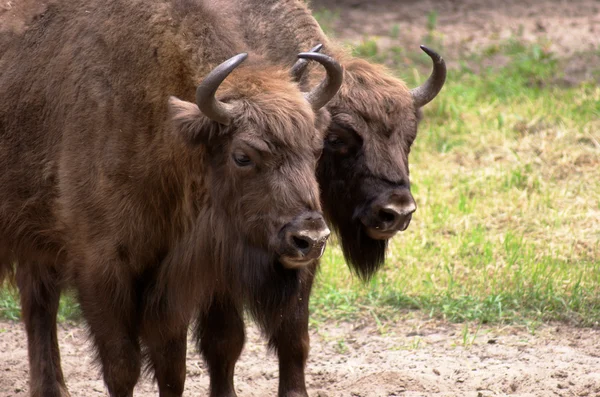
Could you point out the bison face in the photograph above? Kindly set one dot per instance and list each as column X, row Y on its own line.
column 376, row 167
column 259, row 169
column 364, row 178
column 267, row 188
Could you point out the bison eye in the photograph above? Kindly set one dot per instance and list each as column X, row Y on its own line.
column 334, row 141
column 241, row 159
column 342, row 139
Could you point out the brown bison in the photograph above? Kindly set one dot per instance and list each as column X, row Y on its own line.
column 363, row 171
column 148, row 205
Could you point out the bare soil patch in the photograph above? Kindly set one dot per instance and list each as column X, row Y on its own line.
column 568, row 27
column 414, row 357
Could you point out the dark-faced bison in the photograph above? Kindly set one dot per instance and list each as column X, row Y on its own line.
column 125, row 179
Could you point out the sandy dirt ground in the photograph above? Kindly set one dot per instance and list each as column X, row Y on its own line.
column 569, row 29
column 414, row 357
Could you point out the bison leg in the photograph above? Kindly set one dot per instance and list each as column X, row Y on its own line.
column 167, row 343
column 220, row 338
column 40, row 295
column 111, row 317
column 292, row 343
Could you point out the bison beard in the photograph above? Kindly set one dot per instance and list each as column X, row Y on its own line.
column 342, row 202
column 364, row 254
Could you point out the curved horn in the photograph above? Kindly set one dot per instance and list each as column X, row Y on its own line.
column 330, row 85
column 205, row 93
column 425, row 93
column 300, row 66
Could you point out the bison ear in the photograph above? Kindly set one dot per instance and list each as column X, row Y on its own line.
column 193, row 126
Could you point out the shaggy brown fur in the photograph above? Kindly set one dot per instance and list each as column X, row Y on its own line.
column 374, row 123
column 134, row 198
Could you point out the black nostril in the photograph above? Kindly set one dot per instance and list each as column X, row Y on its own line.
column 387, row 216
column 301, row 243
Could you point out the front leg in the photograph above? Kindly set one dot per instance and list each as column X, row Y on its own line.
column 110, row 312
column 39, row 288
column 166, row 341
column 292, row 343
column 220, row 338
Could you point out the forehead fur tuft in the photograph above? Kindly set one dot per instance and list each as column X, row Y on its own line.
column 371, row 93
column 274, row 102
column 375, row 81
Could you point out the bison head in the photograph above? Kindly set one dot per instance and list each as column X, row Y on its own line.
column 260, row 142
column 363, row 172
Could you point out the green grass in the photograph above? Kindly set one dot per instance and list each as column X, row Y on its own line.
column 327, row 18
column 9, row 306
column 506, row 175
